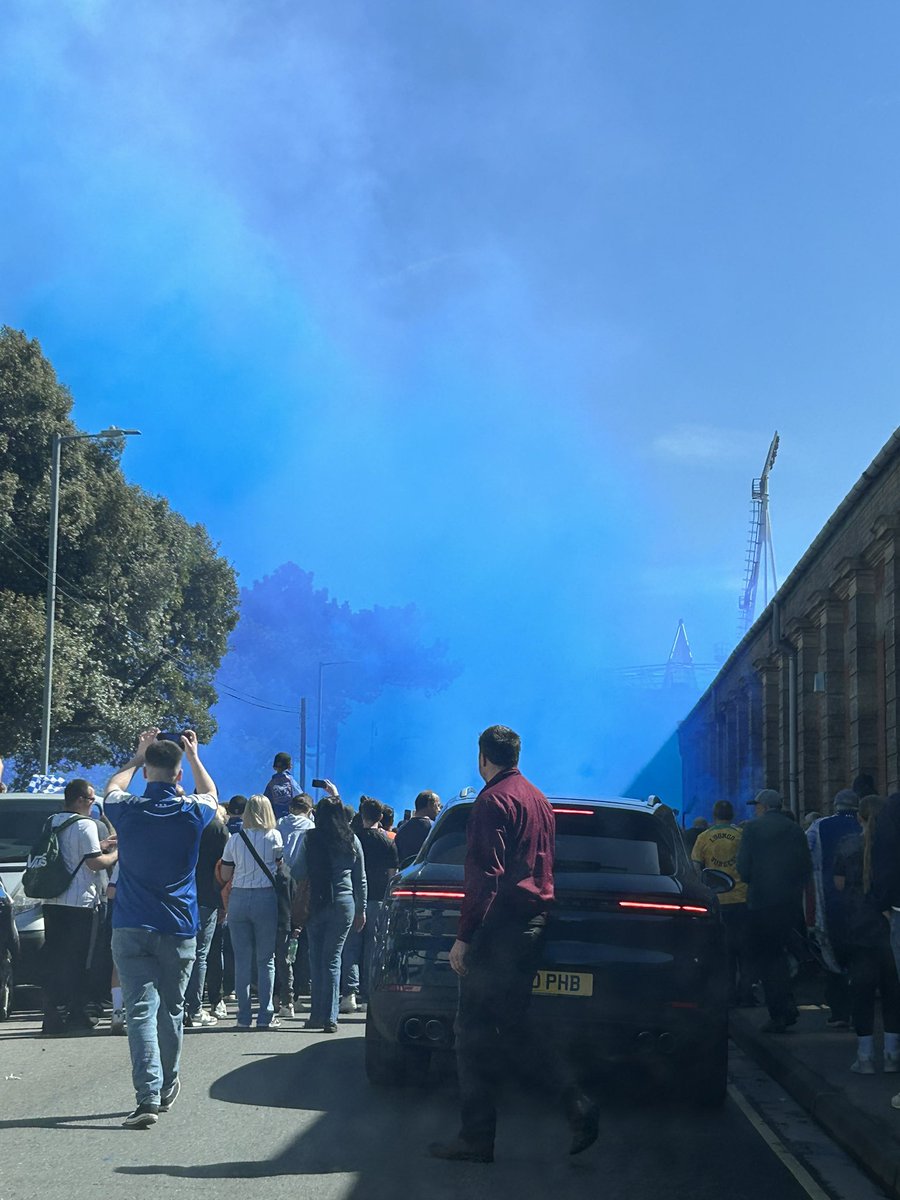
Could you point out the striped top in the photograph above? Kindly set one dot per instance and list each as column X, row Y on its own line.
column 247, row 872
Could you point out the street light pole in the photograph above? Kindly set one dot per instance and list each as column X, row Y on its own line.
column 55, row 448
column 322, row 665
column 56, row 442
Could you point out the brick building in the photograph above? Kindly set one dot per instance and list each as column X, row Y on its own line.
column 810, row 697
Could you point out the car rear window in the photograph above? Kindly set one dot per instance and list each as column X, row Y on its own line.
column 609, row 840
column 20, row 826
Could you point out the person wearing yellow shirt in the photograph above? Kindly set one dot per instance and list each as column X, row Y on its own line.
column 717, row 847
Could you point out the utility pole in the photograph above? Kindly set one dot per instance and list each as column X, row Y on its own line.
column 302, row 743
column 339, row 662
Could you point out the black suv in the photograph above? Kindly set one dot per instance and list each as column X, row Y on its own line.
column 634, row 959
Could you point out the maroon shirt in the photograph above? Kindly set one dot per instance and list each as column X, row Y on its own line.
column 509, row 853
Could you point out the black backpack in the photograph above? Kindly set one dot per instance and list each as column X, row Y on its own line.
column 46, row 874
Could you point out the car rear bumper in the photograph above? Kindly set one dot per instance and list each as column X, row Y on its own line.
column 425, row 1018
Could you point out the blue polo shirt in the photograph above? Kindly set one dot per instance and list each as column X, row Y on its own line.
column 159, row 841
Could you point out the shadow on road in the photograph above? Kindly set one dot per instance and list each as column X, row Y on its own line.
column 380, row 1137
column 98, row 1122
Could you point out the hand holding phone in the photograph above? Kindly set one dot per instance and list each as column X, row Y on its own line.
column 326, row 786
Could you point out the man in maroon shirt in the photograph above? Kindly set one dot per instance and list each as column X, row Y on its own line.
column 508, row 890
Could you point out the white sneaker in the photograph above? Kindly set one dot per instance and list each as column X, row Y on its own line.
column 220, row 1010
column 203, row 1018
column 863, row 1066
column 348, row 1003
column 286, row 1012
column 117, row 1021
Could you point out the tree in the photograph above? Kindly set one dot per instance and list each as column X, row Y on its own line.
column 145, row 602
column 288, row 626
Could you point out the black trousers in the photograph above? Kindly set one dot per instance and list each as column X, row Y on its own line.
column 735, row 918
column 219, row 966
column 301, row 967
column 494, row 1040
column 872, row 969
column 65, row 955
column 837, row 988
column 770, row 932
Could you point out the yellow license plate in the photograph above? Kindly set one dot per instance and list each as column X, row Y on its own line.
column 562, row 983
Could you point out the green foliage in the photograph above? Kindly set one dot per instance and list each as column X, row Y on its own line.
column 145, row 604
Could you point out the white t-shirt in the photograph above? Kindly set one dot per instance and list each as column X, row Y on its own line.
column 247, row 872
column 80, row 839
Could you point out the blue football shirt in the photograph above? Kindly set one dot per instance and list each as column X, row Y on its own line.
column 159, row 840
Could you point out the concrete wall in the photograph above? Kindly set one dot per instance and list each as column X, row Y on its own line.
column 837, row 617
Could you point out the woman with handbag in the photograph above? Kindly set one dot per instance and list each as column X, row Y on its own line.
column 329, row 866
column 251, row 860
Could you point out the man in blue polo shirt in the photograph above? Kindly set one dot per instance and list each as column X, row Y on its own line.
column 156, row 917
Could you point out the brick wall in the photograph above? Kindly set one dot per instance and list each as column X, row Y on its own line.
column 836, row 616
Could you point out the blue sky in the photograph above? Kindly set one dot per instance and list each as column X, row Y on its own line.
column 491, row 308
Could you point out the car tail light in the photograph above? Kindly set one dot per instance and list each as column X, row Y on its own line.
column 423, row 893
column 660, row 906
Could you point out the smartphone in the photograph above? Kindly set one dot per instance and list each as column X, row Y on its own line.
column 169, row 737
column 320, row 783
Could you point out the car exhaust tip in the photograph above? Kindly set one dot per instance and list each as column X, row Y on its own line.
column 645, row 1041
column 413, row 1028
column 435, row 1031
column 665, row 1043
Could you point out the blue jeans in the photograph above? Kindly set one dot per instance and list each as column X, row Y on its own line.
column 252, row 919
column 193, row 997
column 327, row 931
column 356, row 958
column 154, row 969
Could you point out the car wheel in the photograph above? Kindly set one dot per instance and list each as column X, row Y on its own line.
column 7, row 986
column 391, row 1065
column 705, row 1071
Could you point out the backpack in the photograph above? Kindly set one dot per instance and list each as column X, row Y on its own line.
column 46, row 874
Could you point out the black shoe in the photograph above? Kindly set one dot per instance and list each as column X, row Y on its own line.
column 460, row 1151
column 793, row 1016
column 82, row 1022
column 53, row 1029
column 837, row 1023
column 584, row 1122
column 169, row 1095
column 774, row 1026
column 330, row 1029
column 143, row 1117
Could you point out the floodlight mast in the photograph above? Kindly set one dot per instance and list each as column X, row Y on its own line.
column 760, row 563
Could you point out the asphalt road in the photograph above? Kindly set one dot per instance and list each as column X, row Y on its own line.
column 272, row 1114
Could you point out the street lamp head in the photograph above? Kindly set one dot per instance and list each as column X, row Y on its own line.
column 115, row 432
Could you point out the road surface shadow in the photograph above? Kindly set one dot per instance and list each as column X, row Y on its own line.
column 381, row 1136
column 92, row 1121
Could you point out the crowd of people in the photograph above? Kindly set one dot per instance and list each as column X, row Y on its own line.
column 174, row 872
column 184, row 904
column 826, row 888
column 177, row 905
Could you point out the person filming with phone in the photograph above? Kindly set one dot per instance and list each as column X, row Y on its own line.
column 156, row 916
